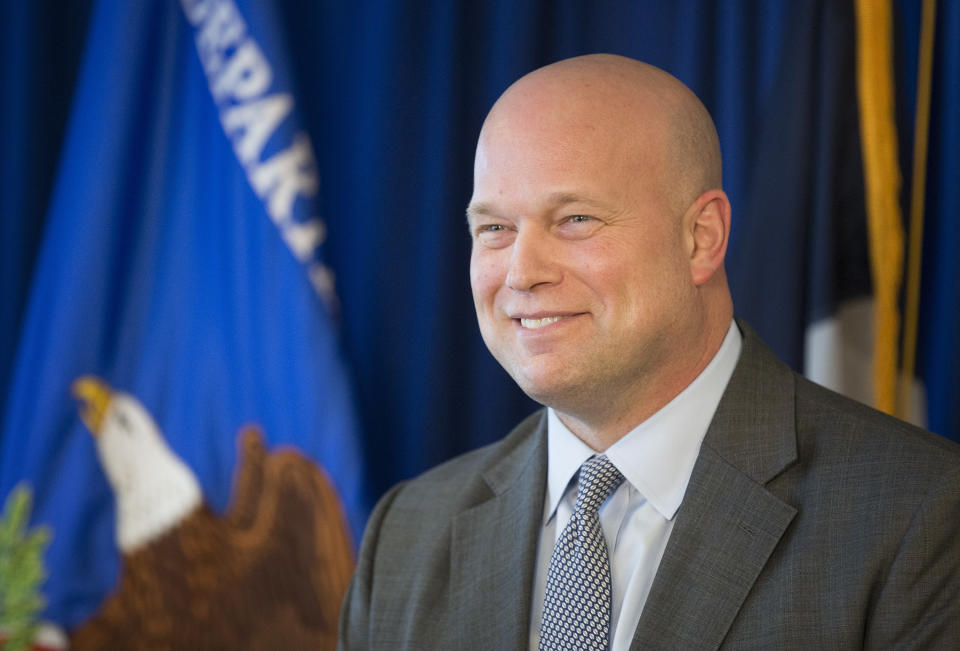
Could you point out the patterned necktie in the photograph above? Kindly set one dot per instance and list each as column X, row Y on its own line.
column 576, row 606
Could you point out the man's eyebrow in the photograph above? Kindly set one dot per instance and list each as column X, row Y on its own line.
column 564, row 198
column 554, row 200
column 480, row 208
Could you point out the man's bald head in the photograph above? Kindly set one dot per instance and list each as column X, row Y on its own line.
column 655, row 117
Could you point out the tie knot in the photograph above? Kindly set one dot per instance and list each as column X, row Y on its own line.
column 598, row 478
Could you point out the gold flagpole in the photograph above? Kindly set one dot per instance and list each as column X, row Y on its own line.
column 921, row 131
column 882, row 186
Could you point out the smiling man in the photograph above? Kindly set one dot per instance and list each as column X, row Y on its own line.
column 683, row 488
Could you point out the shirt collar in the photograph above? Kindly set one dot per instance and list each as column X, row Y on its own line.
column 658, row 455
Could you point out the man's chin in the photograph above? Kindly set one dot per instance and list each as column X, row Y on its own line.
column 547, row 389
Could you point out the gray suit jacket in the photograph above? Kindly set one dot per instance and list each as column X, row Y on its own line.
column 810, row 522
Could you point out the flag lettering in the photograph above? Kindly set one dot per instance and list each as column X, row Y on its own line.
column 278, row 159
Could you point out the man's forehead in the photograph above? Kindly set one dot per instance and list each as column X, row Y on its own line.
column 564, row 133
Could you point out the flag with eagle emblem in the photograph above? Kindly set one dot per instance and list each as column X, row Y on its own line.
column 182, row 263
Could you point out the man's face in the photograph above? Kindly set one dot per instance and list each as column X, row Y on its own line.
column 579, row 273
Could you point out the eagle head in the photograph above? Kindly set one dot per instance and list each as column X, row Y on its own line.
column 153, row 487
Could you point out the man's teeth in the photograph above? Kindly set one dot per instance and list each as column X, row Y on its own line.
column 539, row 323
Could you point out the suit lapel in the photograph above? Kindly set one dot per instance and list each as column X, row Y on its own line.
column 728, row 524
column 725, row 531
column 493, row 549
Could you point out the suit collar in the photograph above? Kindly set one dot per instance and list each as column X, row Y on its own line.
column 522, row 451
column 754, row 428
column 728, row 524
column 494, row 543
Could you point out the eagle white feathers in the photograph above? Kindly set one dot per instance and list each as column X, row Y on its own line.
column 153, row 487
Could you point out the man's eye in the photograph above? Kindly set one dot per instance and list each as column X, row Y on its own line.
column 490, row 230
column 493, row 235
column 578, row 227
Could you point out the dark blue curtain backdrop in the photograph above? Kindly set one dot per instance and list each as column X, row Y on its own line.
column 394, row 93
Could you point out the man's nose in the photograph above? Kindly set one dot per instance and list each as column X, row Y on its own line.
column 532, row 261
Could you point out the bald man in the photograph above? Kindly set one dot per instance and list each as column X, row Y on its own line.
column 682, row 489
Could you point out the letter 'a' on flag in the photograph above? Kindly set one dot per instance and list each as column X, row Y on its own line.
column 182, row 263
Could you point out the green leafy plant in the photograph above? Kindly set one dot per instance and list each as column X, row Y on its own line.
column 22, row 572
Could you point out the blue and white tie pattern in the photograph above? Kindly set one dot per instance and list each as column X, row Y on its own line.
column 576, row 606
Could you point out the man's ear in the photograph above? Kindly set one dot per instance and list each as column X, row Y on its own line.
column 708, row 230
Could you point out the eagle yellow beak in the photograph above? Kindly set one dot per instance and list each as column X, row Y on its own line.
column 95, row 395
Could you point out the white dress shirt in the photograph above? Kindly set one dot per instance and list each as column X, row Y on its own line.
column 656, row 459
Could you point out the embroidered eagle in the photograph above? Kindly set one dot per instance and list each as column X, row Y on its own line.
column 269, row 574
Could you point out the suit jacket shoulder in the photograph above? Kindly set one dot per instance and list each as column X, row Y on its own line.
column 810, row 521
column 473, row 475
column 447, row 558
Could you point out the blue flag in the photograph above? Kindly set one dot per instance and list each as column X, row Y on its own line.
column 182, row 263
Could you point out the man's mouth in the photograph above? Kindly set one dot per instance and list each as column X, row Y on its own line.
column 533, row 324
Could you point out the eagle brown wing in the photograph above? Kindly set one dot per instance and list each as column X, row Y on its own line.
column 248, row 478
column 288, row 518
